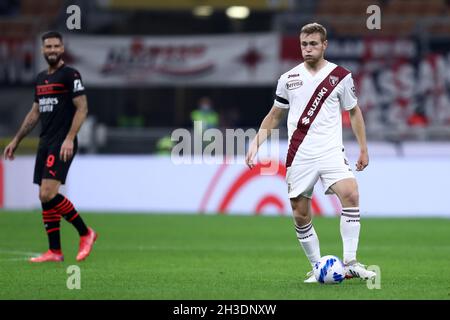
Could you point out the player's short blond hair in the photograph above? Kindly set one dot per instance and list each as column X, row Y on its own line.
column 315, row 27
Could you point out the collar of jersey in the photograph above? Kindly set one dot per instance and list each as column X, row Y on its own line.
column 318, row 72
column 49, row 74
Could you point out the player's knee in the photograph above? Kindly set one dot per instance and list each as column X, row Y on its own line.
column 352, row 198
column 301, row 210
column 302, row 220
column 46, row 194
column 301, row 217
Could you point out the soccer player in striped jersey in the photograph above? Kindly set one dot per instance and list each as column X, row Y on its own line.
column 314, row 93
column 61, row 105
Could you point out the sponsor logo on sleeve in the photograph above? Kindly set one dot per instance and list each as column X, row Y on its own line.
column 77, row 85
column 294, row 84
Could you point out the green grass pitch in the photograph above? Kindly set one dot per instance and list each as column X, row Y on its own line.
column 188, row 257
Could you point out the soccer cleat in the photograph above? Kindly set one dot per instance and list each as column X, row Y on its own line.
column 354, row 269
column 86, row 243
column 49, row 256
column 310, row 277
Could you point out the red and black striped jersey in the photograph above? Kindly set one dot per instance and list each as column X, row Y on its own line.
column 54, row 93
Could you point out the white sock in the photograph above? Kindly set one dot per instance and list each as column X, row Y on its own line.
column 309, row 241
column 350, row 232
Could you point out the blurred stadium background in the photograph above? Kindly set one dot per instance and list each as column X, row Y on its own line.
column 147, row 66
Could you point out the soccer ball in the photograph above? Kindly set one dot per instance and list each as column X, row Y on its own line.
column 329, row 270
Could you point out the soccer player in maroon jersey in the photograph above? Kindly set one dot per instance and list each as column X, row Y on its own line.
column 61, row 105
column 314, row 94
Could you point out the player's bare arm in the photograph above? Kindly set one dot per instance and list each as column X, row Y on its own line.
column 359, row 129
column 30, row 121
column 80, row 103
column 271, row 121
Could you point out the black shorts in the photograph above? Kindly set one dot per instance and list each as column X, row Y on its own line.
column 49, row 165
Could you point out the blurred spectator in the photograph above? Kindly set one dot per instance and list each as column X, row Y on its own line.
column 203, row 118
column 418, row 118
column 231, row 118
column 206, row 114
column 126, row 121
column 131, row 117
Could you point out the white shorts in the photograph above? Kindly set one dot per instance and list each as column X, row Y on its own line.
column 302, row 177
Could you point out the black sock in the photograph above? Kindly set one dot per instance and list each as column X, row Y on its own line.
column 67, row 210
column 52, row 220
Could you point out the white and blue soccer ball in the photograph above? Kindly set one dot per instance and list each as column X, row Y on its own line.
column 329, row 270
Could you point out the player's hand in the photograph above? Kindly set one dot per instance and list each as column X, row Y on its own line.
column 363, row 161
column 251, row 154
column 66, row 150
column 9, row 150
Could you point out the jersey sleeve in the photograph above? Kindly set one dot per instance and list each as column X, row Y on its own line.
column 348, row 98
column 76, row 84
column 281, row 96
column 35, row 93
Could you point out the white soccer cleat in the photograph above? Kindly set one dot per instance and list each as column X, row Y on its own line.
column 310, row 277
column 354, row 269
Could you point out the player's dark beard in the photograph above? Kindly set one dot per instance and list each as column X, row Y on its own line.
column 52, row 62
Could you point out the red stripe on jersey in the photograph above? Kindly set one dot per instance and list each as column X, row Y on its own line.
column 51, row 92
column 51, row 88
column 51, row 85
column 313, row 107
